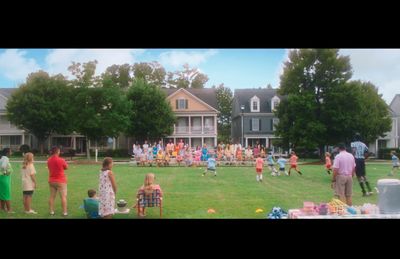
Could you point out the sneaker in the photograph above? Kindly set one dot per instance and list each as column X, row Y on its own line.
column 65, row 214
column 31, row 212
column 52, row 213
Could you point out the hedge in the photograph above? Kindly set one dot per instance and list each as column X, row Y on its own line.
column 384, row 153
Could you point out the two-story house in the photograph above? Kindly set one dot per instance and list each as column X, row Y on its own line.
column 391, row 138
column 10, row 135
column 196, row 112
column 253, row 119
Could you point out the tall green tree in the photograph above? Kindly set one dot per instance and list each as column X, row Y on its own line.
column 117, row 76
column 151, row 72
column 322, row 107
column 187, row 78
column 357, row 107
column 224, row 99
column 151, row 115
column 310, row 77
column 100, row 111
column 41, row 106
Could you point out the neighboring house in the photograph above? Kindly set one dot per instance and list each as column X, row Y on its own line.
column 391, row 138
column 10, row 135
column 257, row 115
column 196, row 112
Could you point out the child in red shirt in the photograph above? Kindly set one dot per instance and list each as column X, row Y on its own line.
column 328, row 162
column 259, row 168
column 293, row 162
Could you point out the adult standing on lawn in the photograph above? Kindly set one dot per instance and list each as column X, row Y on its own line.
column 360, row 151
column 57, row 180
column 343, row 172
column 5, row 181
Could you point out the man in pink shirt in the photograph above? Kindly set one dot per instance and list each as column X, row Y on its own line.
column 343, row 172
column 57, row 180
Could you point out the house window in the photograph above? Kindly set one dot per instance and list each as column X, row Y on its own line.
column 274, row 103
column 4, row 120
column 15, row 140
column 382, row 143
column 181, row 104
column 255, row 124
column 255, row 104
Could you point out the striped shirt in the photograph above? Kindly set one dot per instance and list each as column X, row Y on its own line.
column 359, row 149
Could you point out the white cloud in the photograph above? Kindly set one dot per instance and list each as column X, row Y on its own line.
column 177, row 58
column 58, row 60
column 15, row 66
column 379, row 66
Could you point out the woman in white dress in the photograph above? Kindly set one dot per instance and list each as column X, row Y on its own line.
column 107, row 190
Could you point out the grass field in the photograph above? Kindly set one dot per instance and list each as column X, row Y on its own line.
column 234, row 193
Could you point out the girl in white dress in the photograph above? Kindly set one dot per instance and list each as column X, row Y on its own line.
column 107, row 190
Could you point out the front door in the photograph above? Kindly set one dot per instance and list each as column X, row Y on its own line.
column 80, row 145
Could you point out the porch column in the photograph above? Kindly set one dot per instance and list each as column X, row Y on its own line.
column 202, row 141
column 215, row 141
column 190, row 128
column 247, row 144
column 215, row 125
column 376, row 147
column 266, row 143
column 114, row 144
column 202, row 126
column 190, row 142
column 74, row 142
column 22, row 139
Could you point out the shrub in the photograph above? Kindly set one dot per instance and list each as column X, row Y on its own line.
column 24, row 148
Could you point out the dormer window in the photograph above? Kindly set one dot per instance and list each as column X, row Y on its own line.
column 275, row 102
column 181, row 104
column 255, row 104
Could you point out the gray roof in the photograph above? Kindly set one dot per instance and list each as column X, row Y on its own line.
column 207, row 95
column 6, row 92
column 243, row 97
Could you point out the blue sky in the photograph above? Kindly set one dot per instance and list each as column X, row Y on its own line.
column 236, row 68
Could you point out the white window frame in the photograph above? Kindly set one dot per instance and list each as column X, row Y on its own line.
column 253, row 120
column 181, row 104
column 274, row 100
column 257, row 100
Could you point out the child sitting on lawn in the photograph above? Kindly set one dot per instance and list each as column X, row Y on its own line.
column 167, row 159
column 91, row 205
column 148, row 187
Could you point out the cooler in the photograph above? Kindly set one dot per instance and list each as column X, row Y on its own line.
column 389, row 196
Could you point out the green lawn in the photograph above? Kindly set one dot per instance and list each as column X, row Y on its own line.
column 234, row 193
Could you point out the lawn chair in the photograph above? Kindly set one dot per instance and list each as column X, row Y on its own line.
column 153, row 199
